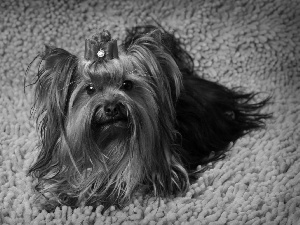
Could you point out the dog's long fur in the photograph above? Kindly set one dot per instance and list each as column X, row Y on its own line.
column 171, row 121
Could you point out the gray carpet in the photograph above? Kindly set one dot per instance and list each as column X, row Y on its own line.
column 250, row 43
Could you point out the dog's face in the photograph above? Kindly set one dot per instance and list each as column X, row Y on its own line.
column 116, row 102
column 107, row 127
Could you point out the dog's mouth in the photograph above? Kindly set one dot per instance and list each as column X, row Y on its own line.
column 113, row 121
column 120, row 121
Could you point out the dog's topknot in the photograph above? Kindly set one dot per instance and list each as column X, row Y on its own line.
column 103, row 36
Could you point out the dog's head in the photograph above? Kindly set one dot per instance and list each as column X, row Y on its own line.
column 107, row 121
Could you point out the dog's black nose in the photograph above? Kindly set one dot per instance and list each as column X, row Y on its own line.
column 112, row 110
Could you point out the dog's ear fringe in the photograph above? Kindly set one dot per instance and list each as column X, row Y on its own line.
column 48, row 59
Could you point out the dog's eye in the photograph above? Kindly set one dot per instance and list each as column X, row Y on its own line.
column 90, row 89
column 127, row 85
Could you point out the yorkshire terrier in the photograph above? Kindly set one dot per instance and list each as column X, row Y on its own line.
column 130, row 117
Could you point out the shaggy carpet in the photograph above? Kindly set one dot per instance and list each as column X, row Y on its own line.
column 250, row 43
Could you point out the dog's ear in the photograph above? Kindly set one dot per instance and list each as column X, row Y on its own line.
column 148, row 51
column 54, row 57
column 56, row 78
column 169, row 41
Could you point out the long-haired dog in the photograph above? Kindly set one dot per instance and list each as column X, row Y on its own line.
column 130, row 117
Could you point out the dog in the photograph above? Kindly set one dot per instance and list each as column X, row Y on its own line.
column 130, row 117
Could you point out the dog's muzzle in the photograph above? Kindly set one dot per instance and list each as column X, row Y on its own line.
column 110, row 114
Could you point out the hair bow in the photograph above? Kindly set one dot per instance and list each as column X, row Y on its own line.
column 101, row 47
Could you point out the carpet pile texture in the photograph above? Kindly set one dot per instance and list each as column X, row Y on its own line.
column 254, row 44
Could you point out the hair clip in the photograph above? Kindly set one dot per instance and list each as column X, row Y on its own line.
column 100, row 53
